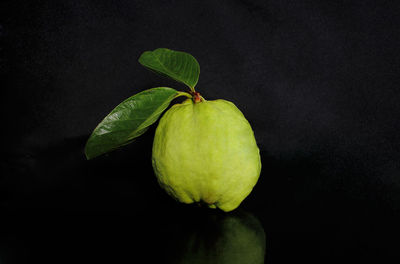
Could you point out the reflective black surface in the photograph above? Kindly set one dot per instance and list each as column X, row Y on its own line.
column 318, row 81
column 63, row 208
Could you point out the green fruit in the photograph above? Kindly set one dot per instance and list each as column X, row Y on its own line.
column 205, row 152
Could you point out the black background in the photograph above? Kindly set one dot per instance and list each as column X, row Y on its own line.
column 318, row 81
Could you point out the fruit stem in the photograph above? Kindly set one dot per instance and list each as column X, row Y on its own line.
column 197, row 98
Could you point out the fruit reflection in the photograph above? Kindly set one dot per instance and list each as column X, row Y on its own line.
column 214, row 237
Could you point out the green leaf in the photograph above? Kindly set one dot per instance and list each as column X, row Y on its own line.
column 180, row 66
column 128, row 120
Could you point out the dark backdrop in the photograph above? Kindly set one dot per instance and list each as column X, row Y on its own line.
column 318, row 81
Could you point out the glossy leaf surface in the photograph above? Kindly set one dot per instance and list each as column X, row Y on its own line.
column 180, row 66
column 128, row 120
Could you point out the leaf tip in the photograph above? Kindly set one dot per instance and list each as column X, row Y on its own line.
column 142, row 57
column 87, row 155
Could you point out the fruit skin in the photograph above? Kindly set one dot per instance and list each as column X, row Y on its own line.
column 206, row 153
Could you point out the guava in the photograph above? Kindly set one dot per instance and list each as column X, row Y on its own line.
column 205, row 152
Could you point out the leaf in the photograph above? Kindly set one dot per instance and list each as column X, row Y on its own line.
column 128, row 120
column 180, row 66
